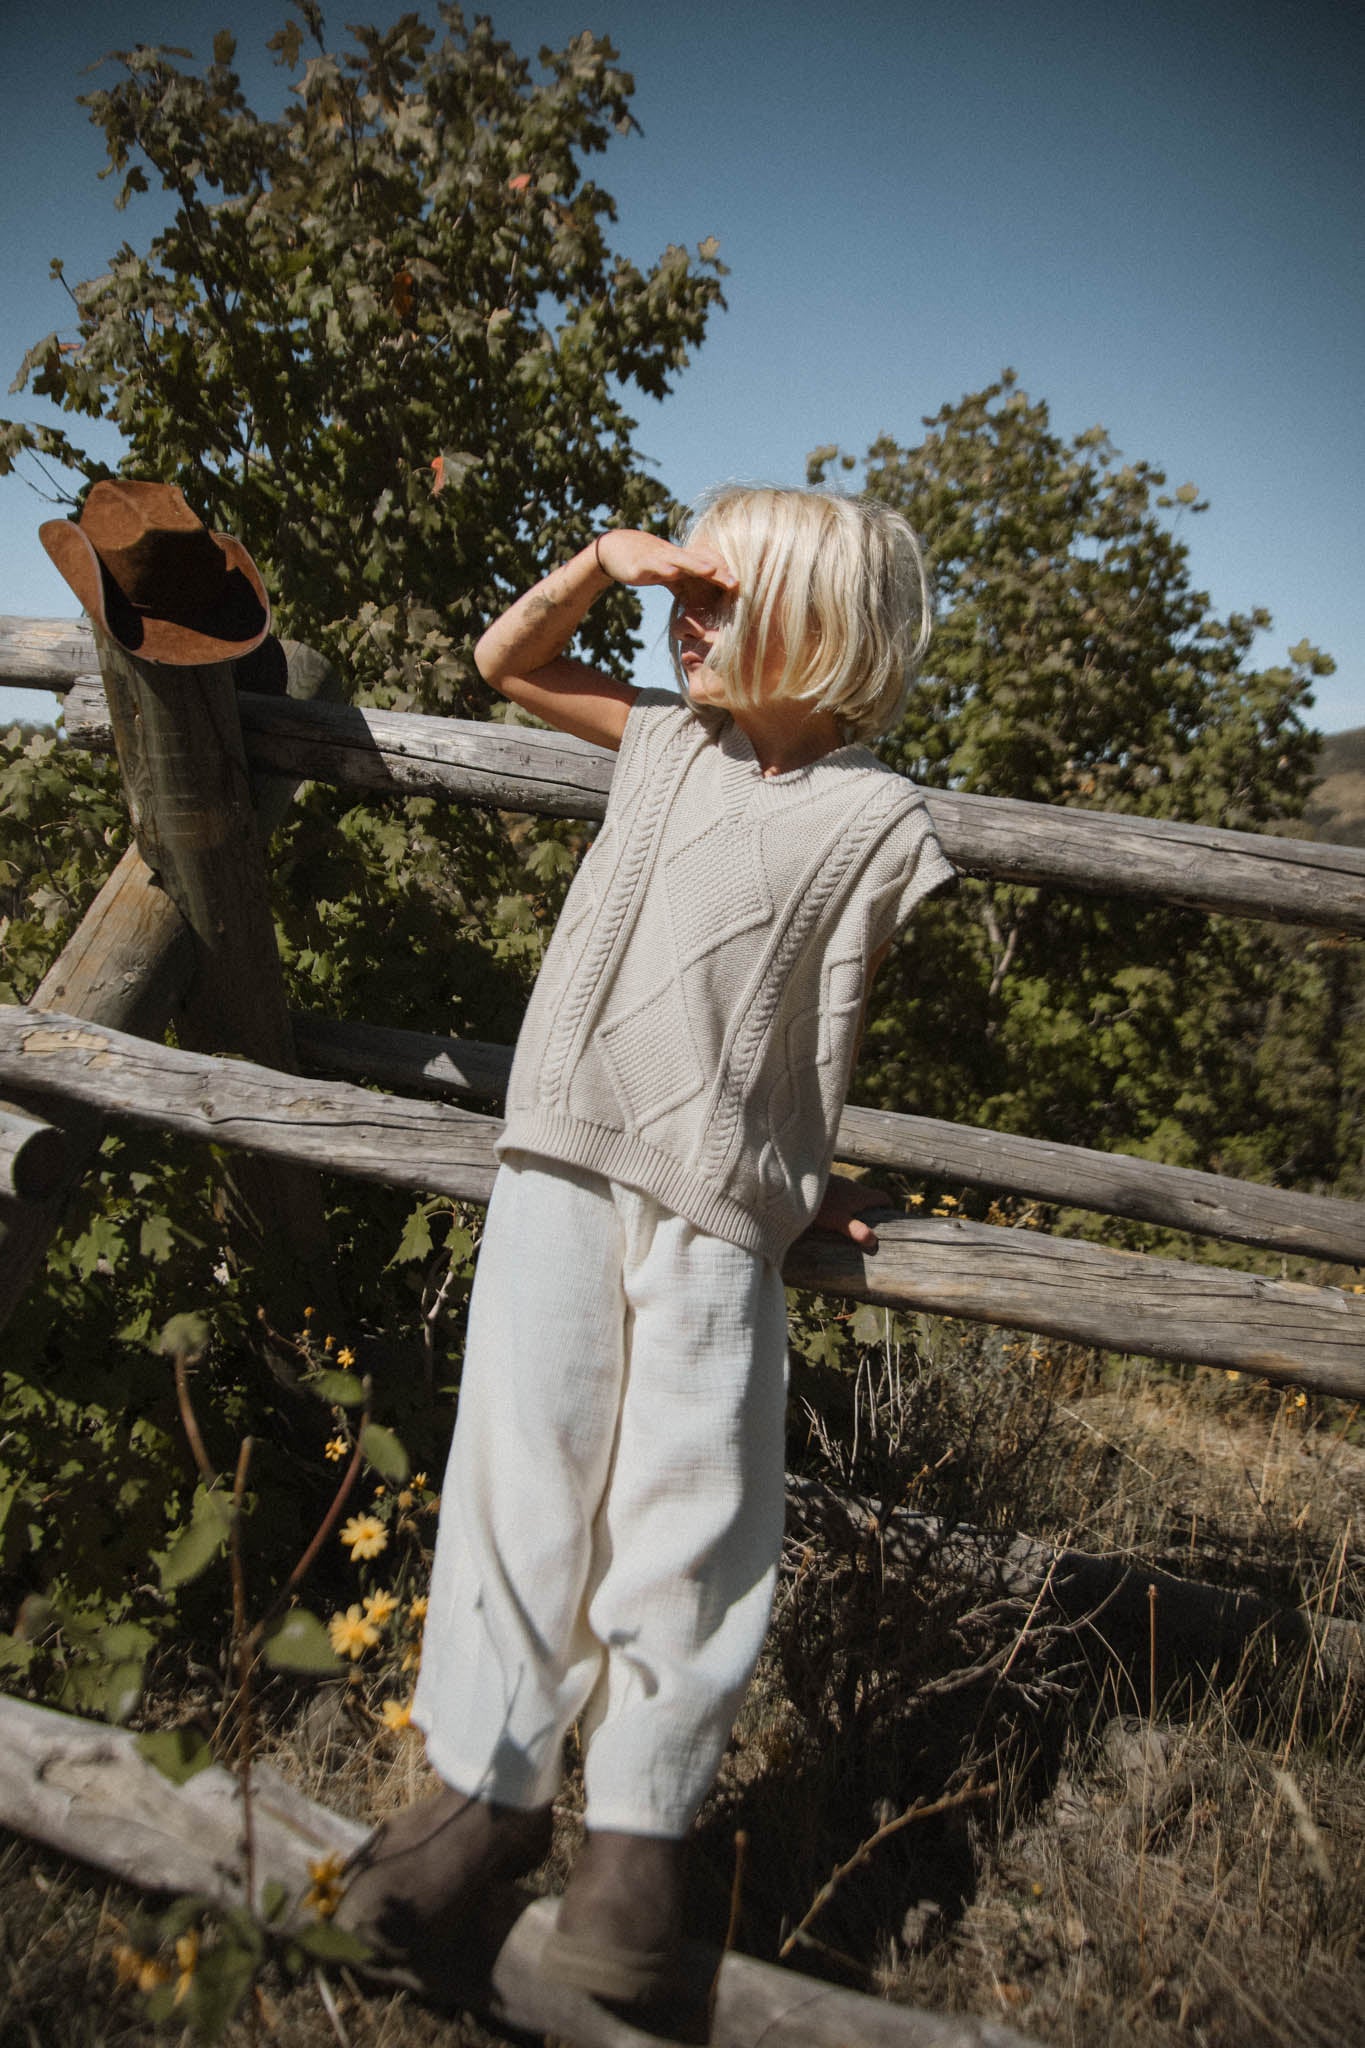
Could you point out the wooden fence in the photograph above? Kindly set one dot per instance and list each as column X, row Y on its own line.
column 182, row 930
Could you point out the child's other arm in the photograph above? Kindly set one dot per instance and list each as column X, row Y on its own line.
column 522, row 653
column 846, row 1204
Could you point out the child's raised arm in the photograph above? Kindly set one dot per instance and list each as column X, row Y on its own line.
column 522, row 653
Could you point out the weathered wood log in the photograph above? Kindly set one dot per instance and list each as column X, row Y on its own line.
column 1114, row 1183
column 1127, row 1302
column 327, row 1125
column 1245, row 874
column 45, row 654
column 189, row 796
column 32, row 1156
column 128, row 965
column 1312, row 1337
column 130, row 960
column 85, row 1791
column 1209, row 1204
column 400, row 753
column 1202, row 1628
column 309, row 679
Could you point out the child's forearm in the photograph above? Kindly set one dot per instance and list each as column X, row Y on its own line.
column 539, row 626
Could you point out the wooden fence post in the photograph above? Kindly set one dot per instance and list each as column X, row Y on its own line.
column 189, row 793
column 130, row 965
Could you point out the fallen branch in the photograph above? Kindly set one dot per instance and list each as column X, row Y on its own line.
column 1200, row 1626
column 85, row 1791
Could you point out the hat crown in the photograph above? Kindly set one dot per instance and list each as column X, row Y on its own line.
column 163, row 559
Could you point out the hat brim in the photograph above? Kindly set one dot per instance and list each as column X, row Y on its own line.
column 236, row 622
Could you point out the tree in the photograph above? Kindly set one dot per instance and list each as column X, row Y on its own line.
column 383, row 336
column 384, row 339
column 1074, row 662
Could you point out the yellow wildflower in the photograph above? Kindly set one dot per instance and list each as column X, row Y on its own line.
column 334, row 1448
column 328, row 1342
column 345, row 1356
column 186, row 1962
column 411, row 1660
column 417, row 1609
column 915, row 1201
column 364, row 1536
column 307, row 1314
column 380, row 1491
column 379, row 1606
column 406, row 1497
column 127, row 1961
column 421, row 1478
column 352, row 1633
column 950, row 1201
column 397, row 1716
column 131, row 1967
column 324, row 1894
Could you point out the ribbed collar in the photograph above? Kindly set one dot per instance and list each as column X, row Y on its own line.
column 737, row 750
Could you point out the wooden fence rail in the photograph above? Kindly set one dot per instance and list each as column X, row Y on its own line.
column 1160, row 1308
column 1173, row 1197
column 519, row 768
column 1244, row 874
column 32, row 1155
column 1157, row 1308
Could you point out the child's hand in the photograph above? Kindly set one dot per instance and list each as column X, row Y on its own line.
column 843, row 1207
column 642, row 558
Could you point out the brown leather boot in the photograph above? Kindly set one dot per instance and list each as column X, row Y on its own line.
column 423, row 1868
column 619, row 1934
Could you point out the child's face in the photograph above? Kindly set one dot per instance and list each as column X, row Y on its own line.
column 699, row 613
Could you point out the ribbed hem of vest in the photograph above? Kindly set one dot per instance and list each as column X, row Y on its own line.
column 633, row 1164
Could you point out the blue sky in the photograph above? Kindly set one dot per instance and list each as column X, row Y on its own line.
column 1153, row 213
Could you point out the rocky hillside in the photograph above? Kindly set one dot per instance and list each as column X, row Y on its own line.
column 1336, row 809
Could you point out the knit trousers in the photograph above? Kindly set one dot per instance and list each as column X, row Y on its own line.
column 612, row 1512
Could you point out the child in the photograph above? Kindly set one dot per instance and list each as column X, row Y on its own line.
column 612, row 1515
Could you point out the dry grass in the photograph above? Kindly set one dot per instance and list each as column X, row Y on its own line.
column 1165, row 1858
column 1169, row 1859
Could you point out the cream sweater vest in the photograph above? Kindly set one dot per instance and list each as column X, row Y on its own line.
column 693, row 1028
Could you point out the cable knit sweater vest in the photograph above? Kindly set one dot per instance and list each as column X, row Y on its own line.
column 694, row 1025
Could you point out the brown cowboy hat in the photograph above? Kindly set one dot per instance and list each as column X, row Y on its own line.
column 151, row 573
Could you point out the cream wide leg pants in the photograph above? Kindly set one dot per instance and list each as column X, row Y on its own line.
column 612, row 1512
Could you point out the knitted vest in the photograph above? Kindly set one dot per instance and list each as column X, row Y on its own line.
column 694, row 1025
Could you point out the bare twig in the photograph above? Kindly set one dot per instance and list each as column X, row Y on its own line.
column 244, row 1645
column 189, row 1420
column 970, row 1795
column 325, row 1527
column 732, row 1925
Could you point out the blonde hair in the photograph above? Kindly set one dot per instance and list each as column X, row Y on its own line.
column 839, row 583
